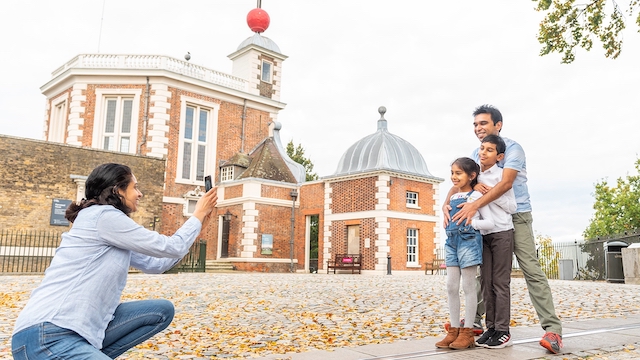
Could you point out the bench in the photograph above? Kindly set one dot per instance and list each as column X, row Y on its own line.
column 345, row 262
column 436, row 265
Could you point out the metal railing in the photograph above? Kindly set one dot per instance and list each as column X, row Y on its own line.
column 578, row 259
column 27, row 251
column 194, row 261
column 31, row 251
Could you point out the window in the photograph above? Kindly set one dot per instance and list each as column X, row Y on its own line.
column 226, row 173
column 266, row 71
column 117, row 124
column 191, row 199
column 116, row 120
column 412, row 246
column 58, row 121
column 412, row 199
column 194, row 143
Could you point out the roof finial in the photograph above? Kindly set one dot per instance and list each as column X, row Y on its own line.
column 382, row 123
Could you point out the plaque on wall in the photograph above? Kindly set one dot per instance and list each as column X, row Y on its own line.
column 267, row 244
column 58, row 208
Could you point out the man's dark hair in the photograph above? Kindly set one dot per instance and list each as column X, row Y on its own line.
column 496, row 116
column 496, row 140
column 101, row 188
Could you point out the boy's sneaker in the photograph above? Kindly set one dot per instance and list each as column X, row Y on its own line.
column 477, row 328
column 499, row 340
column 485, row 337
column 552, row 342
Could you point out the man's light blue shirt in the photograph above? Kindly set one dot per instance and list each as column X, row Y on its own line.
column 515, row 159
column 81, row 288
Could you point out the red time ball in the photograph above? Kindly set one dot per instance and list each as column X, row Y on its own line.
column 258, row 20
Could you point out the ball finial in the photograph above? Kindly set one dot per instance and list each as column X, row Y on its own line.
column 382, row 110
column 258, row 20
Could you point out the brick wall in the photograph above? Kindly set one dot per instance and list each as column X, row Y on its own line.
column 35, row 172
column 398, row 196
column 354, row 195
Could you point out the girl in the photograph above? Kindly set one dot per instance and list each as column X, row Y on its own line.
column 75, row 312
column 463, row 254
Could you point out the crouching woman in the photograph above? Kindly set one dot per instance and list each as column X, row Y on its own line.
column 75, row 313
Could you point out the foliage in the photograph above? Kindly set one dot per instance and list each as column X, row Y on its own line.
column 568, row 25
column 547, row 256
column 297, row 154
column 617, row 208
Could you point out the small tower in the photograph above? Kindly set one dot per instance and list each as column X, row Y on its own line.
column 258, row 59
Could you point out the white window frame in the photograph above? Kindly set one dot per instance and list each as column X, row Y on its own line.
column 210, row 143
column 411, row 202
column 58, row 119
column 192, row 198
column 99, row 118
column 270, row 73
column 226, row 173
column 412, row 235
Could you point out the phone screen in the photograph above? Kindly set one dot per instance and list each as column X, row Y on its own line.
column 207, row 183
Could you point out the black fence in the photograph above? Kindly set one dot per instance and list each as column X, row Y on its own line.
column 31, row 251
column 594, row 259
column 194, row 261
column 27, row 251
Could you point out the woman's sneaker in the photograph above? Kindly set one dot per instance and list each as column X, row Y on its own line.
column 499, row 340
column 485, row 337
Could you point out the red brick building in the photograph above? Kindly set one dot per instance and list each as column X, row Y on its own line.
column 381, row 202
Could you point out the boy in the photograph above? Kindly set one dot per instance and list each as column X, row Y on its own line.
column 497, row 249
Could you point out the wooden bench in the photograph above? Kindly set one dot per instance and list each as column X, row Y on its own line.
column 345, row 262
column 436, row 265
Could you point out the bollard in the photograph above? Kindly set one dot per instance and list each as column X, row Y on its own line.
column 388, row 264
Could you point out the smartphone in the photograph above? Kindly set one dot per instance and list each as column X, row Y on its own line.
column 207, row 183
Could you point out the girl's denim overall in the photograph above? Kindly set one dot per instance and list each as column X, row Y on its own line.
column 464, row 243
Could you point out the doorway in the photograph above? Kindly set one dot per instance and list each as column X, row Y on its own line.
column 311, row 235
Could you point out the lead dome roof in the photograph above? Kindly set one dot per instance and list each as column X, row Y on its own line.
column 382, row 150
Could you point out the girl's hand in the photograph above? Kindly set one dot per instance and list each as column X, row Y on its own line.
column 445, row 212
column 206, row 204
column 482, row 188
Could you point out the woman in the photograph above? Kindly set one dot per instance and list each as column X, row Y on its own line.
column 75, row 312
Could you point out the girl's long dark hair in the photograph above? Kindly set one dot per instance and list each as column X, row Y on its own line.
column 102, row 188
column 469, row 167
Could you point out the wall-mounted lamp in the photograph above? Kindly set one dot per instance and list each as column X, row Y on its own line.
column 227, row 216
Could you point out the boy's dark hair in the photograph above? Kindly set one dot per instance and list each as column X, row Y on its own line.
column 469, row 167
column 101, row 188
column 496, row 116
column 496, row 140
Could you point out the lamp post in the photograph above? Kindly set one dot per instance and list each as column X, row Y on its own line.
column 294, row 195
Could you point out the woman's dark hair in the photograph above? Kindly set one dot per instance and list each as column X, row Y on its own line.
column 469, row 167
column 102, row 188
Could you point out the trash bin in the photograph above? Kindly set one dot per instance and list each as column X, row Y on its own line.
column 613, row 260
column 565, row 268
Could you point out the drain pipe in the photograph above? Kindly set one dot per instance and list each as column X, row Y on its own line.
column 145, row 118
column 244, row 117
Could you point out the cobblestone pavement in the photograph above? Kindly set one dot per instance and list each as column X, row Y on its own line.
column 247, row 315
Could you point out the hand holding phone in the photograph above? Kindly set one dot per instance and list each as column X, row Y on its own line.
column 207, row 183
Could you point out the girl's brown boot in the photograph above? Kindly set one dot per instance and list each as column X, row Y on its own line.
column 464, row 340
column 452, row 334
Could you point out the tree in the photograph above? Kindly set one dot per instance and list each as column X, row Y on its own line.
column 297, row 154
column 568, row 25
column 547, row 256
column 617, row 208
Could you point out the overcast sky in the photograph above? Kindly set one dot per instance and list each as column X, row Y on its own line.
column 430, row 63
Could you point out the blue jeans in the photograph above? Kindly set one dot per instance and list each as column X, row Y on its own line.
column 133, row 323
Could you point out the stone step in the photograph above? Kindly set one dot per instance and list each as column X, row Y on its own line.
column 219, row 266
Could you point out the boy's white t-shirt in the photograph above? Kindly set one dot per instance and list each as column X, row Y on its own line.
column 502, row 207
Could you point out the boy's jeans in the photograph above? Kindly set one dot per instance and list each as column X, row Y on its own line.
column 133, row 323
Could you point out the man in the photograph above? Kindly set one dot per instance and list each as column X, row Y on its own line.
column 488, row 121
